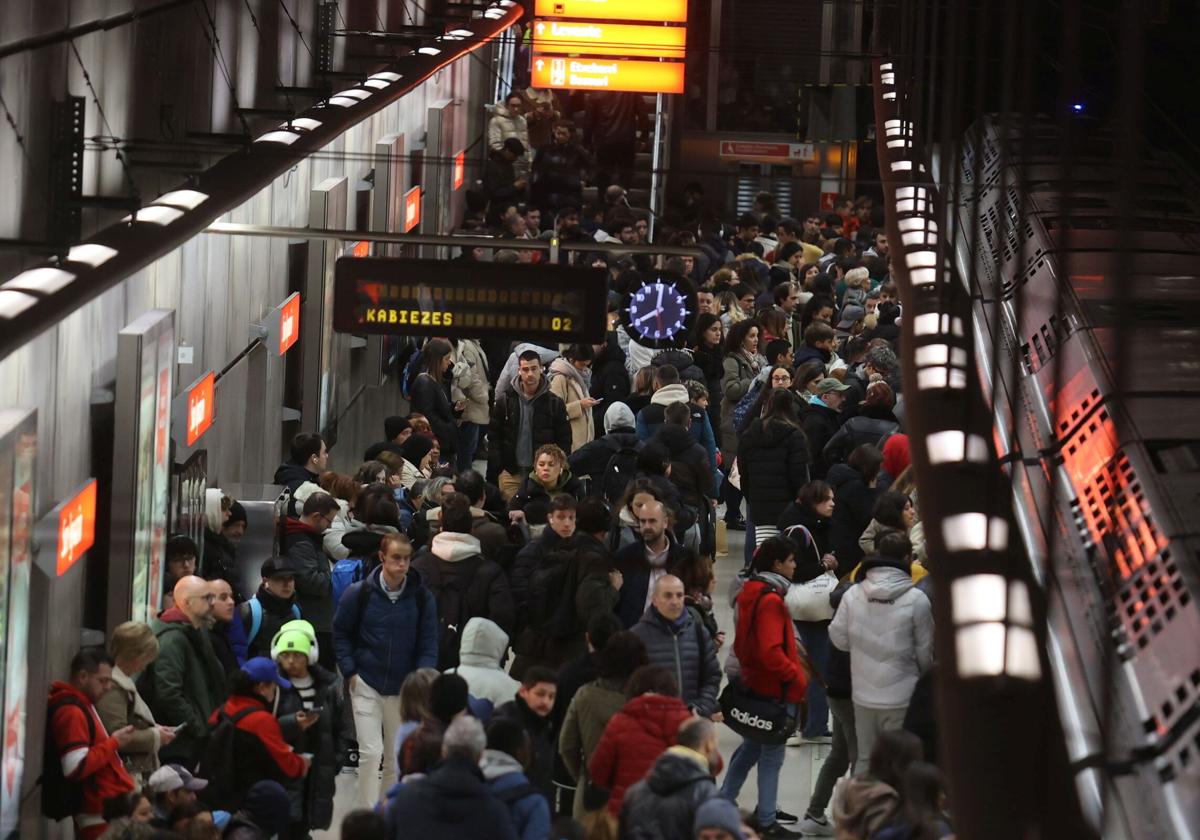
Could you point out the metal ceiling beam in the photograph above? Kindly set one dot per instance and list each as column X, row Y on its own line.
column 61, row 36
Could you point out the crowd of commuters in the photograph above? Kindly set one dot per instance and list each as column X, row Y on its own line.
column 531, row 646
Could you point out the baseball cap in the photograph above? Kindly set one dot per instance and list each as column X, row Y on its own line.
column 278, row 567
column 829, row 384
column 261, row 670
column 850, row 315
column 173, row 777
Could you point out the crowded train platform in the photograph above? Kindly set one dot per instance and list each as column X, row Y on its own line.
column 599, row 420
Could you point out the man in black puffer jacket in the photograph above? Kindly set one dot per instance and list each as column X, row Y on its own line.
column 663, row 805
column 691, row 470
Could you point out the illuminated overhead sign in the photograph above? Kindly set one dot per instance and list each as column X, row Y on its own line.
column 412, row 208
column 748, row 150
column 538, row 303
column 76, row 528
column 601, row 38
column 289, row 323
column 460, row 170
column 200, row 407
column 630, row 75
column 659, row 11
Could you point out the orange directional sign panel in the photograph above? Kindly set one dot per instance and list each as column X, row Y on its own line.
column 631, row 75
column 289, row 323
column 412, row 208
column 600, row 38
column 660, row 11
column 460, row 170
column 76, row 527
column 200, row 406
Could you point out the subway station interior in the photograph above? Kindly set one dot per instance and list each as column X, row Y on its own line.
column 227, row 223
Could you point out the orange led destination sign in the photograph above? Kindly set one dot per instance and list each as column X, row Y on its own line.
column 599, row 38
column 660, row 11
column 76, row 527
column 631, row 75
column 412, row 208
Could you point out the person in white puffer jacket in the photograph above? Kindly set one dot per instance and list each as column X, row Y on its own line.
column 480, row 654
column 886, row 624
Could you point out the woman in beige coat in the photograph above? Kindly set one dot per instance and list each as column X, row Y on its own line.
column 133, row 646
column 570, row 381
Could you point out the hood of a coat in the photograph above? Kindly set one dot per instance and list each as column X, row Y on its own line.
column 668, row 394
column 289, row 473
column 296, row 526
column 454, row 548
column 767, row 433
column 562, row 367
column 543, row 387
column 483, row 644
column 676, row 439
column 212, row 509
column 60, row 690
column 453, row 789
column 618, row 417
column 497, row 764
column 677, row 768
column 174, row 616
column 655, row 714
column 840, row 474
column 886, row 582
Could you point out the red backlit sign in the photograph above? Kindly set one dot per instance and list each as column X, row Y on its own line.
column 412, row 208
column 289, row 323
column 361, row 249
column 630, row 75
column 460, row 170
column 76, row 527
column 743, row 149
column 200, row 399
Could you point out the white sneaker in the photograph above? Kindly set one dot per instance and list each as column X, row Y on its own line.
column 816, row 739
column 811, row 828
column 795, row 740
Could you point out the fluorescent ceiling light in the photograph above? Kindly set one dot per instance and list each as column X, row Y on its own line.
column 353, row 93
column 156, row 214
column 376, row 84
column 494, row 14
column 187, row 199
column 91, row 254
column 13, row 303
column 45, row 280
column 461, row 33
column 342, row 101
column 387, row 76
column 429, row 51
column 285, row 137
column 305, row 123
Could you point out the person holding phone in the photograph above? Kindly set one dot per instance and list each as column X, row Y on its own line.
column 310, row 715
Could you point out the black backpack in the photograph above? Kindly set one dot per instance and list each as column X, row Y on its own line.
column 551, row 595
column 453, row 611
column 220, row 761
column 61, row 797
column 618, row 472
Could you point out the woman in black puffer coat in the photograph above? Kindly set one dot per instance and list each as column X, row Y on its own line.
column 774, row 462
column 709, row 355
column 873, row 423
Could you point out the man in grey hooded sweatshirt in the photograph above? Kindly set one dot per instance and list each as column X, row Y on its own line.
column 525, row 417
column 886, row 625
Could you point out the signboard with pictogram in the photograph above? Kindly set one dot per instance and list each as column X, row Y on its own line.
column 629, row 75
column 587, row 37
column 412, row 208
column 658, row 11
column 754, row 150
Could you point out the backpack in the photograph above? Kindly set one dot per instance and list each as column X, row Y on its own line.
column 618, row 472
column 61, row 797
column 551, row 603
column 411, row 368
column 256, row 614
column 453, row 612
column 742, row 409
column 345, row 572
column 220, row 760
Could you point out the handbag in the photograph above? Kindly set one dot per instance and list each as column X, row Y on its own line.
column 756, row 717
column 809, row 601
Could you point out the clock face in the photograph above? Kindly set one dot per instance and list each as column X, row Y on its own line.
column 660, row 313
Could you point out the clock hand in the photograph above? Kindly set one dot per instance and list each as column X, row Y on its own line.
column 646, row 317
column 658, row 305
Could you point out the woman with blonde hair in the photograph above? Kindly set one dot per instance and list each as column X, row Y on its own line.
column 133, row 647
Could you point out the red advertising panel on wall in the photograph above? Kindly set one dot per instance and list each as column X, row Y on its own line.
column 460, row 171
column 76, row 527
column 289, row 323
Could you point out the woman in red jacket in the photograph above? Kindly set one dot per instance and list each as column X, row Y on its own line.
column 769, row 658
column 638, row 734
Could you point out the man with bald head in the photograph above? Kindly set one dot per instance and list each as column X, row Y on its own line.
column 651, row 557
column 186, row 683
column 677, row 639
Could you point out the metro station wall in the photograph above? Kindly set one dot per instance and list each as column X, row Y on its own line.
column 217, row 285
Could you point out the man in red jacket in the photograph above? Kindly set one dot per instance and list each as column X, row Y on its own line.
column 87, row 752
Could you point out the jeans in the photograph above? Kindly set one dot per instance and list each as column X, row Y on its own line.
column 468, row 443
column 815, row 637
column 376, row 719
column 842, row 755
column 770, row 761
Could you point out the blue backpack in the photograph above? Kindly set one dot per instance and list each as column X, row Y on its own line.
column 256, row 611
column 411, row 368
column 746, row 403
column 346, row 572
